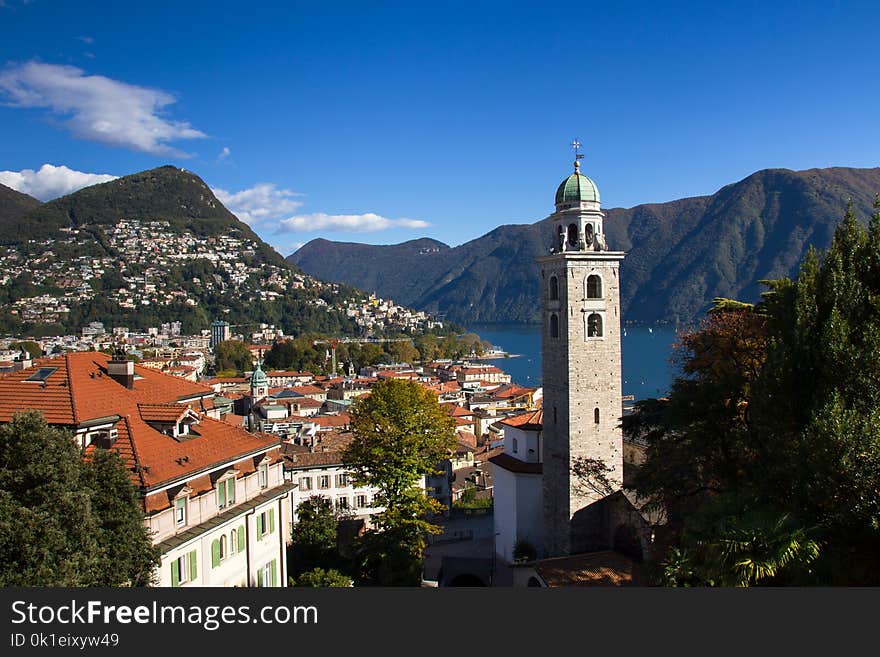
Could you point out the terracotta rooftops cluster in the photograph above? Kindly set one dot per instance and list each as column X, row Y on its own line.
column 163, row 432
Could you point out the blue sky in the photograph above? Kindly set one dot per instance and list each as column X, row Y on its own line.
column 381, row 122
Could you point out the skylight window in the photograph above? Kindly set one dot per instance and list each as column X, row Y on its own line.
column 41, row 374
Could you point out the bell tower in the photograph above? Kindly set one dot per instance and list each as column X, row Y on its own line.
column 580, row 308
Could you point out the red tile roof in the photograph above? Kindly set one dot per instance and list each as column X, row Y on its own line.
column 532, row 421
column 80, row 390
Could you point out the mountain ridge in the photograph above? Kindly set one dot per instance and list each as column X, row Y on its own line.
column 680, row 253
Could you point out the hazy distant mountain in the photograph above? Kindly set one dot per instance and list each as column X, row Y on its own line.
column 680, row 254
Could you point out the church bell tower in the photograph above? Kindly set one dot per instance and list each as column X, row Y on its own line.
column 581, row 371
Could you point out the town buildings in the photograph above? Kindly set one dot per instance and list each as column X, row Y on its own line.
column 213, row 494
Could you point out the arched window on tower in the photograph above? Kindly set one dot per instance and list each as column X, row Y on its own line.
column 572, row 235
column 554, row 288
column 596, row 416
column 594, row 286
column 594, row 326
column 588, row 237
column 554, row 326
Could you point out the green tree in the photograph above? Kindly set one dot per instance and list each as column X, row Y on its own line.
column 65, row 520
column 776, row 417
column 313, row 537
column 233, row 355
column 320, row 578
column 30, row 346
column 400, row 434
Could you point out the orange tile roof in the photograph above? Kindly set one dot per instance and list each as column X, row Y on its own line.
column 526, row 421
column 341, row 420
column 80, row 390
column 162, row 412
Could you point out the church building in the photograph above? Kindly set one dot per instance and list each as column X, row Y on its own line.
column 582, row 406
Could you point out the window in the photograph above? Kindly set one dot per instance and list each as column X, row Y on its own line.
column 360, row 502
column 594, row 287
column 233, row 541
column 572, row 235
column 266, row 574
column 515, row 446
column 265, row 523
column 324, row 481
column 594, row 326
column 554, row 326
column 184, row 569
column 305, row 483
column 226, row 493
column 180, row 511
column 264, row 476
column 596, row 416
column 341, row 480
column 342, row 504
column 588, row 238
column 224, row 550
column 554, row 288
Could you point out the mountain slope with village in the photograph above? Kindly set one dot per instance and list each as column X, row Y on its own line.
column 680, row 254
column 157, row 247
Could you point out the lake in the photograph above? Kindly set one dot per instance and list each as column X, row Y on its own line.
column 647, row 371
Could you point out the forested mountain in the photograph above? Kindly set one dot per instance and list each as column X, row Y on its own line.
column 156, row 246
column 680, row 254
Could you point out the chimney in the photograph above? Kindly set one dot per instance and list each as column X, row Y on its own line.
column 121, row 370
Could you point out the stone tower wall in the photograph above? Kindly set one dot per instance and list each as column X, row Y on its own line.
column 580, row 374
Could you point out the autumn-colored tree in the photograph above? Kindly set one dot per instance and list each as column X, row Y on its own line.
column 400, row 434
column 767, row 449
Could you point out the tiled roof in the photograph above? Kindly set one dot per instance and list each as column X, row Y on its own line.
column 80, row 390
column 162, row 412
column 532, row 421
column 513, row 464
column 341, row 420
column 606, row 568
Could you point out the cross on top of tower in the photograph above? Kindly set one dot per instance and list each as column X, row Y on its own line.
column 576, row 145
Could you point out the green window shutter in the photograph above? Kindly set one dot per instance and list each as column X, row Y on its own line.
column 175, row 576
column 230, row 493
column 241, row 539
column 215, row 553
column 193, row 568
column 260, row 577
column 271, row 521
column 272, row 573
column 221, row 495
column 260, row 527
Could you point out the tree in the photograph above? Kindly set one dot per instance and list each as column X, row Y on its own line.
column 313, row 537
column 65, row 520
column 233, row 355
column 30, row 346
column 776, row 419
column 320, row 578
column 400, row 434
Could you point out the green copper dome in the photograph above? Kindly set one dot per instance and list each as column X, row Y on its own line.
column 577, row 188
column 259, row 377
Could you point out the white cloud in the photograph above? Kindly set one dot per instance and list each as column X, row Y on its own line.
column 351, row 223
column 261, row 203
column 50, row 181
column 224, row 153
column 98, row 108
column 86, row 39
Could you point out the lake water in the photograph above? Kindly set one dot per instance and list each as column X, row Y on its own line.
column 647, row 371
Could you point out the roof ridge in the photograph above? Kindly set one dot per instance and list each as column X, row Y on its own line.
column 137, row 460
column 70, row 398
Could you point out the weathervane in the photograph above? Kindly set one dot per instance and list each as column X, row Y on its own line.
column 576, row 145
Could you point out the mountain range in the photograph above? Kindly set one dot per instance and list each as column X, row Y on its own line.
column 680, row 254
column 153, row 247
